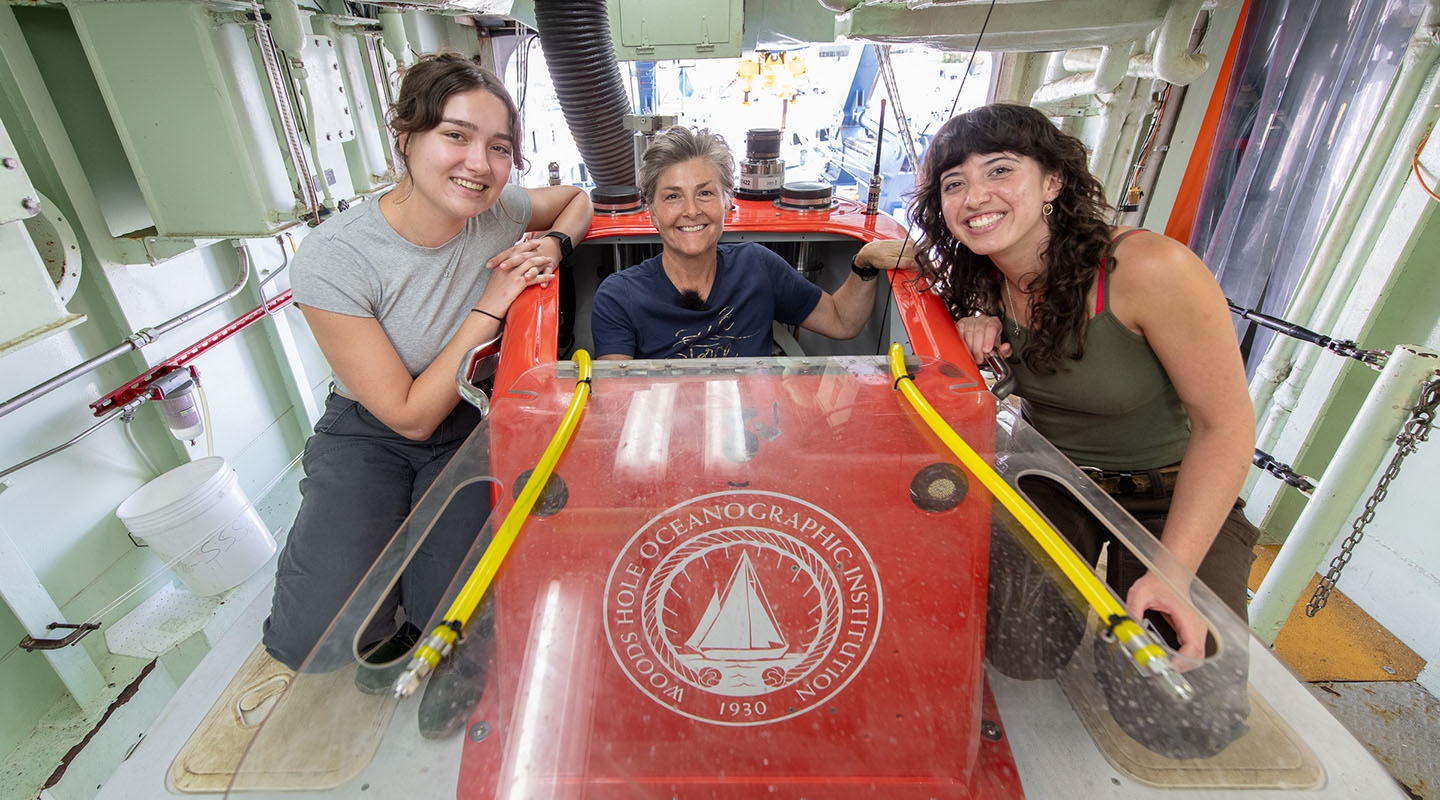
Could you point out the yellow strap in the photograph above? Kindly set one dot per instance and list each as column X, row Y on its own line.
column 1147, row 654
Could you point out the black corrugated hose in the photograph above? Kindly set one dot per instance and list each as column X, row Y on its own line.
column 575, row 35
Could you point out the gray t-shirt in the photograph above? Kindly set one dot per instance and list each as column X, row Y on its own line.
column 356, row 264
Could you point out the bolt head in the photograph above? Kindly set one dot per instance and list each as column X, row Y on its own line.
column 30, row 204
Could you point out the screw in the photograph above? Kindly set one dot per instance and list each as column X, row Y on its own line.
column 480, row 731
column 990, row 730
column 30, row 204
column 9, row 163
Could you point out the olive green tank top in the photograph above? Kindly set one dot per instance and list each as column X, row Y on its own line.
column 1114, row 408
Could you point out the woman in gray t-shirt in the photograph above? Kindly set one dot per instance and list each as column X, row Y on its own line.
column 396, row 292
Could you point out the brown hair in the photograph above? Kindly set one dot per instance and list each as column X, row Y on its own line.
column 432, row 81
column 1078, row 240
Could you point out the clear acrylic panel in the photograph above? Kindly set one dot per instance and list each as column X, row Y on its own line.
column 768, row 577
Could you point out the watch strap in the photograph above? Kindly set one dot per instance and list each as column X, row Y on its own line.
column 566, row 248
column 865, row 273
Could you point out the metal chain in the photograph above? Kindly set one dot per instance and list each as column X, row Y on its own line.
column 1284, row 472
column 1416, row 430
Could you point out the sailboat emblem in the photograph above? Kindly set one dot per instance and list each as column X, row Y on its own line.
column 742, row 608
column 738, row 625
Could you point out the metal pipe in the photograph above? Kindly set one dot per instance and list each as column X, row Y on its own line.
column 1120, row 149
column 1054, row 67
column 1351, row 235
column 1101, row 133
column 1109, row 71
column 133, row 342
column 1360, row 454
column 392, row 33
column 141, row 383
column 120, row 412
column 286, row 25
column 1081, row 59
column 1155, row 159
column 1173, row 62
column 284, row 240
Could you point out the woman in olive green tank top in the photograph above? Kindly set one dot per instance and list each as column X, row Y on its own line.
column 1124, row 352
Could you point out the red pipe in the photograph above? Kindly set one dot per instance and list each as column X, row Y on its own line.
column 141, row 384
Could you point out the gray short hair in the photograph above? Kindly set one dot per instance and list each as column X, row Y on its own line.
column 680, row 144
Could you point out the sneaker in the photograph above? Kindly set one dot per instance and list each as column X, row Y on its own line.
column 376, row 674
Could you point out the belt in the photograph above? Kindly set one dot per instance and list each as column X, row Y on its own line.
column 1159, row 482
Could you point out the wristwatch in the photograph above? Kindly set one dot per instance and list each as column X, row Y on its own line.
column 865, row 273
column 565, row 247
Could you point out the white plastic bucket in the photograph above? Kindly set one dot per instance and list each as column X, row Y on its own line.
column 199, row 510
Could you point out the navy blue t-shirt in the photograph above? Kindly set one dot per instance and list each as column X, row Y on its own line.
column 637, row 311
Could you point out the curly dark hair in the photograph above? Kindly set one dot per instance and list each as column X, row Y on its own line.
column 1079, row 234
column 433, row 80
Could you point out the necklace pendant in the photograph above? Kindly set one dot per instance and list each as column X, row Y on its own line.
column 1014, row 315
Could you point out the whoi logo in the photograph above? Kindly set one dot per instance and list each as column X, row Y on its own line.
column 742, row 608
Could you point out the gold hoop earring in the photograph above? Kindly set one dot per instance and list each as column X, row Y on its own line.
column 1047, row 209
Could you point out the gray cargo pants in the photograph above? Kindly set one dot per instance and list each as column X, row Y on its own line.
column 361, row 480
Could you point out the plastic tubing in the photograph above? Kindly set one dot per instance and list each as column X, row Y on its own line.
column 1148, row 655
column 439, row 642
